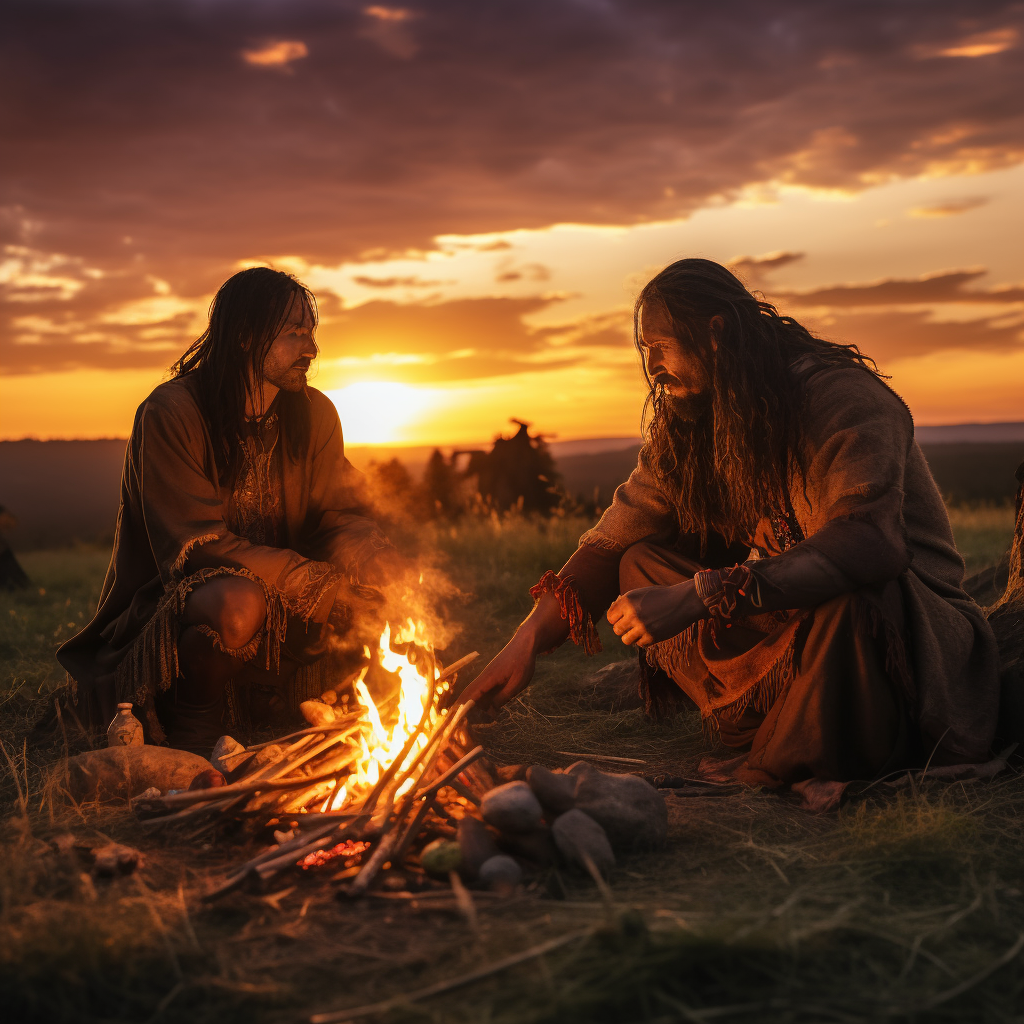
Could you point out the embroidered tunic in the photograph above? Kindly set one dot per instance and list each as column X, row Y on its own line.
column 298, row 528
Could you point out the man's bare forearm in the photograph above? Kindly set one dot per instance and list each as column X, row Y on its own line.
column 544, row 627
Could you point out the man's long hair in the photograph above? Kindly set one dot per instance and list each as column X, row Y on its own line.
column 224, row 366
column 732, row 464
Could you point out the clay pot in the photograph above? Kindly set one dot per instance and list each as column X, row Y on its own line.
column 125, row 730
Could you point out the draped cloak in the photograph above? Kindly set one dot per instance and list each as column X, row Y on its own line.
column 867, row 511
column 179, row 524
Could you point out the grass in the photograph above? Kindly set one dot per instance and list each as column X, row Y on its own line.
column 903, row 906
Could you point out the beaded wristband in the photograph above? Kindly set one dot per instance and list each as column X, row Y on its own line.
column 721, row 589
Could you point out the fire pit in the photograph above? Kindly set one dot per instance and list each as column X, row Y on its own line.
column 348, row 788
column 397, row 781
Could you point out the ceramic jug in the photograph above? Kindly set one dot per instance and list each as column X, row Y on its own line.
column 125, row 730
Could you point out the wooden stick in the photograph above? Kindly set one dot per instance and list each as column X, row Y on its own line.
column 455, row 770
column 602, row 757
column 199, row 796
column 271, row 853
column 337, row 1016
column 389, row 838
column 340, row 723
column 456, row 665
column 402, row 848
column 437, row 742
column 369, row 870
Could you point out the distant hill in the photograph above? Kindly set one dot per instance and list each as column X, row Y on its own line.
column 63, row 491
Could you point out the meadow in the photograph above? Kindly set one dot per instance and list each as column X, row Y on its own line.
column 907, row 904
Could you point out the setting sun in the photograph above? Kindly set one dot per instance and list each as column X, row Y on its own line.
column 375, row 412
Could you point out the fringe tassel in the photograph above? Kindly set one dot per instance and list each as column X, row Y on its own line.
column 179, row 563
column 581, row 626
column 760, row 697
column 244, row 653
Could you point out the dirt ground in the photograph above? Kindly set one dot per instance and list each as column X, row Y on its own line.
column 906, row 904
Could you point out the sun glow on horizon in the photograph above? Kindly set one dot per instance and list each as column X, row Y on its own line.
column 377, row 412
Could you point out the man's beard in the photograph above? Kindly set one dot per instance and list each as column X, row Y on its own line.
column 710, row 498
column 689, row 409
column 292, row 379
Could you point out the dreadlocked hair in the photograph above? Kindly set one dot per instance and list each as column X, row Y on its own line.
column 732, row 464
column 224, row 366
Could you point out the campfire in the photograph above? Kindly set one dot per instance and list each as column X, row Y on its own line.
column 385, row 775
column 361, row 783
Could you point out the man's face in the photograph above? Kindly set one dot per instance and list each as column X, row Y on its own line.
column 672, row 363
column 292, row 350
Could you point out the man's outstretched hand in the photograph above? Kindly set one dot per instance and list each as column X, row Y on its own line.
column 511, row 670
column 507, row 674
column 648, row 615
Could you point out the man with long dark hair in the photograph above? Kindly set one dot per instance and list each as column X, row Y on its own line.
column 243, row 543
column 781, row 553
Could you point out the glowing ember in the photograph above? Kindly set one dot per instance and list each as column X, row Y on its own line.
column 378, row 744
column 351, row 850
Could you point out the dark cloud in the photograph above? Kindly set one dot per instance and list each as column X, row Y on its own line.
column 397, row 282
column 142, row 142
column 458, row 340
column 753, row 270
column 900, row 334
column 943, row 287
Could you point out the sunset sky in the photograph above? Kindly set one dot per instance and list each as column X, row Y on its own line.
column 475, row 190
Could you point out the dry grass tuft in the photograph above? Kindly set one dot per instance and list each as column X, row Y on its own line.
column 906, row 905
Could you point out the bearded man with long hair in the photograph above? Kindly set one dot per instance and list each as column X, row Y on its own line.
column 780, row 554
column 243, row 543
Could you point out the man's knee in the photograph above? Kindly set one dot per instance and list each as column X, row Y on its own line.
column 232, row 606
column 633, row 567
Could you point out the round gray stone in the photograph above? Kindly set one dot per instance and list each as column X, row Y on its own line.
column 578, row 837
column 500, row 872
column 630, row 810
column 555, row 791
column 512, row 808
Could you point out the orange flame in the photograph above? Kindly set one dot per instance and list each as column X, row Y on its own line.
column 379, row 746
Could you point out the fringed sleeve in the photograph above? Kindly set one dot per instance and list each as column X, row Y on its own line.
column 582, row 631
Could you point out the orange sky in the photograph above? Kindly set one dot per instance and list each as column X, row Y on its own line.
column 476, row 195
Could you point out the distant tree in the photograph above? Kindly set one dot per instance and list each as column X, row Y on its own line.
column 441, row 486
column 518, row 472
column 391, row 487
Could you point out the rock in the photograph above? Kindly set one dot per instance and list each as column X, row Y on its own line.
column 512, row 808
column 537, row 847
column 440, row 857
column 119, row 773
column 555, row 791
column 329, row 697
column 225, row 747
column 208, row 779
column 317, row 713
column 501, row 872
column 115, row 859
column 630, row 810
column 578, row 836
column 477, row 845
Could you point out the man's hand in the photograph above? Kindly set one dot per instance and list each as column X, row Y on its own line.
column 511, row 670
column 507, row 674
column 650, row 614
